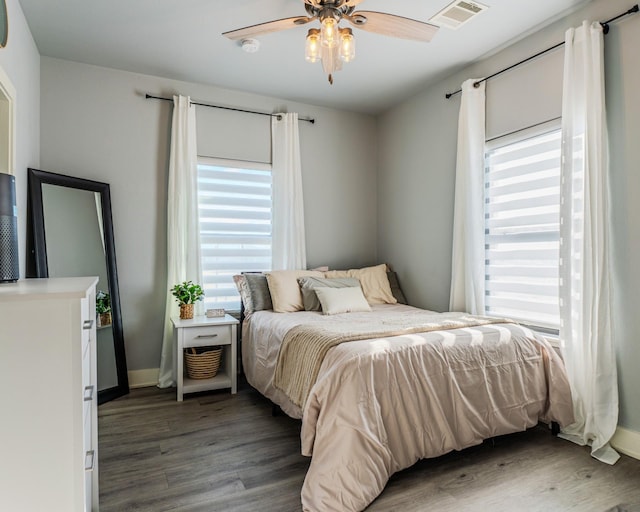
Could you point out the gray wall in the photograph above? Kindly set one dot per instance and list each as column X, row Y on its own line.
column 21, row 62
column 417, row 170
column 96, row 124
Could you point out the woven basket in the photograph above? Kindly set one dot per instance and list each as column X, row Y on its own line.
column 204, row 365
column 186, row 311
column 104, row 319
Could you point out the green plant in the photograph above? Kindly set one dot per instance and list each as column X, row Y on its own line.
column 103, row 302
column 187, row 292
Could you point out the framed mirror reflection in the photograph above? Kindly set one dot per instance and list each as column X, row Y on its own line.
column 71, row 235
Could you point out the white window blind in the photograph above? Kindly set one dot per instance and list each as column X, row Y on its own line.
column 522, row 225
column 234, row 200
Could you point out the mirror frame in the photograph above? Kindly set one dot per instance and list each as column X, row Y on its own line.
column 38, row 266
column 4, row 24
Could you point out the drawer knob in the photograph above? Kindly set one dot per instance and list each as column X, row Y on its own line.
column 88, row 393
column 201, row 336
column 89, row 460
column 87, row 324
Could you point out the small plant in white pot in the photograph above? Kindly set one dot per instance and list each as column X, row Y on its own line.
column 187, row 294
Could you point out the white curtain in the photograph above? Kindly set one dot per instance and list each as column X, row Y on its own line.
column 183, row 237
column 467, row 263
column 586, row 332
column 288, row 239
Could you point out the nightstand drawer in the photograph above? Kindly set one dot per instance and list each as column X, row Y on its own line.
column 205, row 336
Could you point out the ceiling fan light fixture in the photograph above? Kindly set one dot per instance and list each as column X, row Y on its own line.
column 312, row 47
column 334, row 45
column 347, row 45
column 329, row 32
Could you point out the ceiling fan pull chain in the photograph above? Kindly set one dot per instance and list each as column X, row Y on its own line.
column 330, row 78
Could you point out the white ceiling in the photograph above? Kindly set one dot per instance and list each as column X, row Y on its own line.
column 181, row 39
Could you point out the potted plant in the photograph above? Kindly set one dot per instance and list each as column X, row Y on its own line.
column 103, row 308
column 187, row 294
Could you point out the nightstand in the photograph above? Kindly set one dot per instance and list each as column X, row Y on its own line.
column 203, row 332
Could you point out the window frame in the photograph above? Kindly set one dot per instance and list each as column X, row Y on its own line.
column 493, row 144
column 240, row 165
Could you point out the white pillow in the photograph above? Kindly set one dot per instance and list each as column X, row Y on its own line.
column 342, row 300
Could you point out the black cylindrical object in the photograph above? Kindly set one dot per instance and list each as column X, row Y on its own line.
column 9, row 267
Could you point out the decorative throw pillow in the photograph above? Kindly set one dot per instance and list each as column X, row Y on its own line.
column 395, row 288
column 245, row 293
column 342, row 300
column 285, row 291
column 308, row 286
column 373, row 280
column 259, row 289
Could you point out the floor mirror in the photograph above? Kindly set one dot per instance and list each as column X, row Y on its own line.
column 71, row 235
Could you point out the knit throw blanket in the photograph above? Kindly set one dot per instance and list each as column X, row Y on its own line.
column 305, row 346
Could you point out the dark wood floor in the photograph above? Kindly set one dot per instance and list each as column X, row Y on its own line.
column 217, row 452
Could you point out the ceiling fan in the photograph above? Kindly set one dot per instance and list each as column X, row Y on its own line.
column 332, row 44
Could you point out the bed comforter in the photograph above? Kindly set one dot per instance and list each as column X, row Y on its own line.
column 378, row 406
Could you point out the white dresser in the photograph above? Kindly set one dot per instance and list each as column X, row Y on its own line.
column 48, row 396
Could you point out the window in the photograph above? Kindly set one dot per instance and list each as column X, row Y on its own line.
column 522, row 228
column 234, row 202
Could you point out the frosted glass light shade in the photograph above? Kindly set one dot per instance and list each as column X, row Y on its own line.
column 347, row 45
column 312, row 48
column 329, row 35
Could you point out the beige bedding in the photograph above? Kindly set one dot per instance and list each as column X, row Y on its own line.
column 378, row 406
column 305, row 346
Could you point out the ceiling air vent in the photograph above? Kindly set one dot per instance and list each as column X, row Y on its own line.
column 457, row 14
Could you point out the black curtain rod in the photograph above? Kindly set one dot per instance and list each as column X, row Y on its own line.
column 605, row 27
column 308, row 120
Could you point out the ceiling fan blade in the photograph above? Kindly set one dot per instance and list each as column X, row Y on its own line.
column 353, row 3
column 392, row 25
column 266, row 28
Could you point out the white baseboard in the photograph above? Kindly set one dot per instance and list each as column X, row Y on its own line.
column 627, row 442
column 143, row 378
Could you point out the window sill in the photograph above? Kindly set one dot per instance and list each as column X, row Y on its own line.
column 553, row 340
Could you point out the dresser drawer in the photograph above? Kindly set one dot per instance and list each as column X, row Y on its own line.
column 90, row 461
column 86, row 368
column 88, row 440
column 205, row 336
column 88, row 334
column 87, row 323
column 88, row 398
column 88, row 491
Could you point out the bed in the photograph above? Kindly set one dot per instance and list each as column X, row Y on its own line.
column 380, row 404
